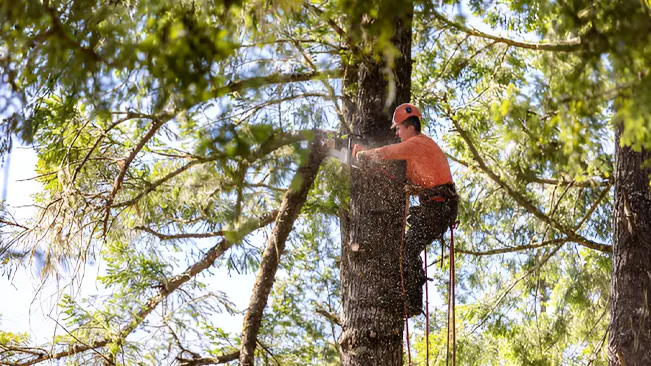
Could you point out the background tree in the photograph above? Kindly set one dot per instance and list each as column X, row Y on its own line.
column 167, row 133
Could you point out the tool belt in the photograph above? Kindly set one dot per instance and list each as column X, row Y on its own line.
column 440, row 193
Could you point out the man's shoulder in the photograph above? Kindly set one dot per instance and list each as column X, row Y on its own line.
column 424, row 139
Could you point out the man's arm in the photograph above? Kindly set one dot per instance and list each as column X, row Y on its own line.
column 399, row 151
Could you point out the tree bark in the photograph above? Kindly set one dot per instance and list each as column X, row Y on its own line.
column 630, row 298
column 370, row 257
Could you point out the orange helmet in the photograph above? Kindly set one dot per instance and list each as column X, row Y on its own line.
column 403, row 112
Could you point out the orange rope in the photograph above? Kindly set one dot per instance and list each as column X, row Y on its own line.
column 402, row 277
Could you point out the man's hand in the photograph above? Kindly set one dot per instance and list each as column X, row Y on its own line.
column 411, row 189
column 358, row 148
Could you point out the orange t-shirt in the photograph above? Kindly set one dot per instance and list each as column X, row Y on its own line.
column 427, row 165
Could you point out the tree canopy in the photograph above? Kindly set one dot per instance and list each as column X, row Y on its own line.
column 171, row 135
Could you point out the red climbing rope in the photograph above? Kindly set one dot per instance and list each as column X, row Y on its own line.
column 451, row 312
column 402, row 277
column 426, row 310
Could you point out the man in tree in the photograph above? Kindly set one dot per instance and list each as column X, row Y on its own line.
column 429, row 178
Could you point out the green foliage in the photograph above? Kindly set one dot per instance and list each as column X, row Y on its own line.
column 165, row 131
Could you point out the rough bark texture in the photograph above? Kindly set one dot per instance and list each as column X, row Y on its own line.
column 370, row 277
column 630, row 325
column 287, row 214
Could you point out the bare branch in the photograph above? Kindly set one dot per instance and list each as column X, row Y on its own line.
column 592, row 208
column 560, row 46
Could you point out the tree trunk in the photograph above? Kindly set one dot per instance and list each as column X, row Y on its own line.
column 370, row 268
column 630, row 298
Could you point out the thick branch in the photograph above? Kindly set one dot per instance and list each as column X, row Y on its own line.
column 165, row 290
column 520, row 199
column 560, row 46
column 513, row 249
column 531, row 178
column 289, row 210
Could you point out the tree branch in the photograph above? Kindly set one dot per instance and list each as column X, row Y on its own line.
column 158, row 123
column 162, row 236
column 208, row 360
column 271, row 144
column 2, row 221
column 340, row 32
column 331, row 91
column 513, row 249
column 328, row 315
column 152, row 186
column 289, row 210
column 519, row 198
column 560, row 46
column 531, row 178
column 165, row 290
column 501, row 297
column 280, row 78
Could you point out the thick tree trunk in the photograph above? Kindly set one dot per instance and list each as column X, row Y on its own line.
column 370, row 277
column 630, row 324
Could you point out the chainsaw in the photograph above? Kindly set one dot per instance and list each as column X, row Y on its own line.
column 342, row 148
